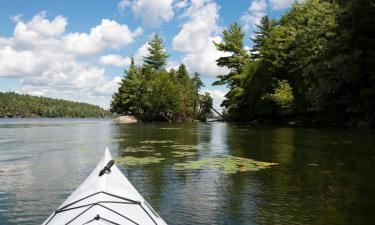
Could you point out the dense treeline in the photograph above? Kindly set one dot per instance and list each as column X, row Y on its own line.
column 19, row 105
column 316, row 63
column 150, row 92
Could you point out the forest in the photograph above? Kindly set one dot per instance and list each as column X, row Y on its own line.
column 313, row 65
column 21, row 105
column 151, row 93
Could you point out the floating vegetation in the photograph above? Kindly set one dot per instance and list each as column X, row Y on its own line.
column 183, row 154
column 157, row 154
column 138, row 161
column 156, row 142
column 169, row 128
column 185, row 147
column 227, row 164
column 137, row 149
column 146, row 147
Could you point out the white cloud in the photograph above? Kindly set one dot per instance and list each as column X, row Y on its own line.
column 115, row 60
column 282, row 4
column 123, row 4
column 201, row 25
column 109, row 34
column 140, row 53
column 254, row 14
column 196, row 36
column 204, row 61
column 48, row 63
column 181, row 4
column 152, row 12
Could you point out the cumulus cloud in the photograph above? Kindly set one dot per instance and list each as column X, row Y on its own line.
column 204, row 61
column 47, row 59
column 152, row 12
column 115, row 60
column 181, row 4
column 254, row 14
column 282, row 4
column 109, row 34
column 123, row 4
column 196, row 36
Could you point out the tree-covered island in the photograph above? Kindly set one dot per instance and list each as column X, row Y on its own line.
column 22, row 105
column 151, row 93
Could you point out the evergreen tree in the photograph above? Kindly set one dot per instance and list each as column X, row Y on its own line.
column 233, row 44
column 198, row 84
column 236, row 62
column 157, row 56
column 264, row 31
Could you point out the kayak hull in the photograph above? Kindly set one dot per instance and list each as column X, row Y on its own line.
column 106, row 199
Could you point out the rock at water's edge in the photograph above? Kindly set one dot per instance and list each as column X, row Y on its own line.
column 126, row 119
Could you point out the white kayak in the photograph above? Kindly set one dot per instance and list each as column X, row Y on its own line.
column 105, row 197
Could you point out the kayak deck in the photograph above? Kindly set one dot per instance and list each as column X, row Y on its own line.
column 105, row 197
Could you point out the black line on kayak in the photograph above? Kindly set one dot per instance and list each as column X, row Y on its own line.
column 101, row 218
column 148, row 214
column 81, row 206
column 130, row 201
column 100, row 192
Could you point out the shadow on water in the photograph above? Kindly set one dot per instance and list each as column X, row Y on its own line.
column 324, row 176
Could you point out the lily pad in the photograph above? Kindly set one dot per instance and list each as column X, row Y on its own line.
column 226, row 164
column 186, row 147
column 137, row 149
column 183, row 154
column 169, row 128
column 138, row 161
column 156, row 142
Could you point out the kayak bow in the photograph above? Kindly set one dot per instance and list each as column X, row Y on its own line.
column 105, row 197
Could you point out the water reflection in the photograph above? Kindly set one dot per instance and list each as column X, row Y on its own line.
column 323, row 176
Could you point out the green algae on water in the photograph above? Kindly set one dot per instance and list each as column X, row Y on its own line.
column 186, row 147
column 137, row 149
column 138, row 161
column 156, row 142
column 226, row 164
column 183, row 154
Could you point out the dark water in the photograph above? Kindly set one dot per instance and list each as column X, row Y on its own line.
column 324, row 176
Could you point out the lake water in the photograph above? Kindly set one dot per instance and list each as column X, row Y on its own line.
column 324, row 176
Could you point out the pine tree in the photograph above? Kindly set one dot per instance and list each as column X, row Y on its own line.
column 157, row 57
column 233, row 43
column 264, row 29
column 198, row 84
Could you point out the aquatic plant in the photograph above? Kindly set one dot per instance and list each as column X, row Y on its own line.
column 227, row 164
column 138, row 161
column 137, row 149
column 183, row 154
column 156, row 142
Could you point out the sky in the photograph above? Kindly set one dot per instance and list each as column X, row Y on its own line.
column 78, row 50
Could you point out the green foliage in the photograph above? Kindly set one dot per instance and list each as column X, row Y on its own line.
column 157, row 57
column 227, row 164
column 282, row 96
column 261, row 35
column 318, row 58
column 152, row 93
column 19, row 105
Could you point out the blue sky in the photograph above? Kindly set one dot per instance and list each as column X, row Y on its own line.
column 77, row 50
